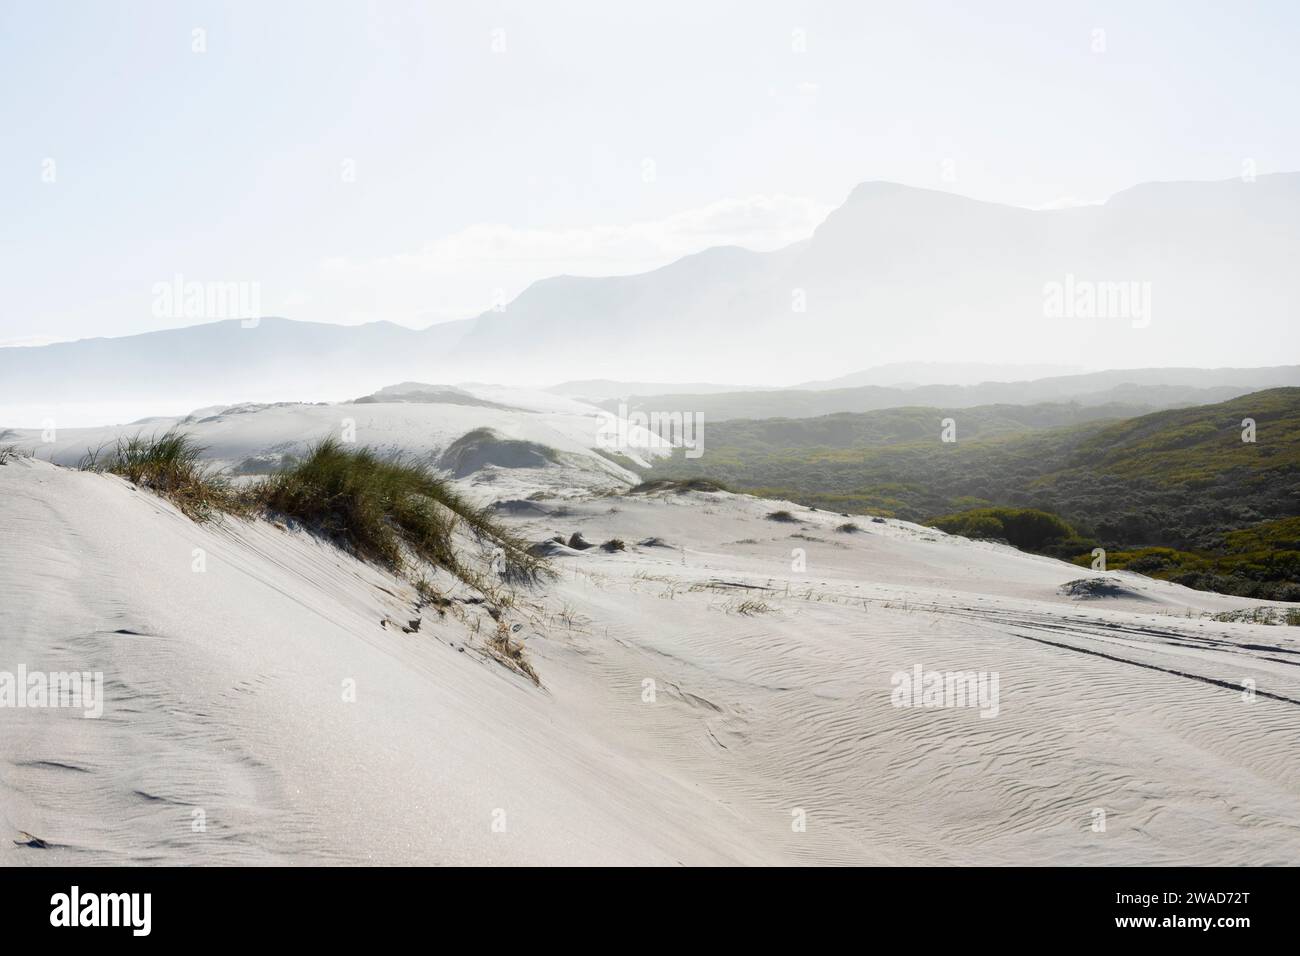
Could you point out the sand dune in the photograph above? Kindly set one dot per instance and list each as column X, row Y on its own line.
column 256, row 437
column 714, row 697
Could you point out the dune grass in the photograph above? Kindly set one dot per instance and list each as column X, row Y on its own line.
column 677, row 485
column 372, row 505
column 511, row 653
column 170, row 465
column 382, row 507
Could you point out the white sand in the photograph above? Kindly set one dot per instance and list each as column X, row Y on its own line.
column 261, row 434
column 227, row 697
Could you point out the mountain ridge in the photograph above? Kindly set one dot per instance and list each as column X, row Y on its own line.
column 894, row 272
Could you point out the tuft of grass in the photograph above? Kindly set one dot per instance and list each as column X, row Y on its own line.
column 578, row 542
column 1260, row 615
column 1094, row 588
column 372, row 505
column 511, row 653
column 677, row 485
column 380, row 507
column 430, row 596
column 849, row 527
column 383, row 509
column 169, row 465
column 783, row 516
column 614, row 544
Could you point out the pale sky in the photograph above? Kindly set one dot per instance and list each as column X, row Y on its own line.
column 409, row 161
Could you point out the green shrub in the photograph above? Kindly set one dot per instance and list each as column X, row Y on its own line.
column 1180, row 478
column 977, row 526
column 1027, row 528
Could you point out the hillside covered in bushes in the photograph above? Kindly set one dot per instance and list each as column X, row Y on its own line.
column 1182, row 480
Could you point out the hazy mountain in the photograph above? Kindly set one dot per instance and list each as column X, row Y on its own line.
column 894, row 375
column 1184, row 269
column 1145, row 389
column 912, row 374
column 600, row 389
column 1180, row 271
column 218, row 363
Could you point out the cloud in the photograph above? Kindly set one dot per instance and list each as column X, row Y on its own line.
column 462, row 274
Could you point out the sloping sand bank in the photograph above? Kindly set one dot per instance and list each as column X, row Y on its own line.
column 723, row 696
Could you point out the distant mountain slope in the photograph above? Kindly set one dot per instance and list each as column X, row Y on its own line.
column 898, row 272
column 1051, row 384
column 899, row 426
column 893, row 273
column 1150, row 388
column 600, row 389
column 273, row 359
column 1206, row 446
column 913, row 374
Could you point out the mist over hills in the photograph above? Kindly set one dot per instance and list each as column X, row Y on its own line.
column 893, row 274
column 600, row 389
column 895, row 375
column 896, row 274
column 1141, row 390
column 912, row 374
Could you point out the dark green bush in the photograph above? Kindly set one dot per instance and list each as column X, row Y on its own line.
column 1026, row 528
